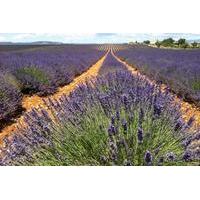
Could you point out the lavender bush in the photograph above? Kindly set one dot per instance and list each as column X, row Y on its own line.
column 123, row 120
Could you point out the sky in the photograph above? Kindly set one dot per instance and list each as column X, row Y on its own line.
column 93, row 37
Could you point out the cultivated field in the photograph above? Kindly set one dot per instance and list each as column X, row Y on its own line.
column 99, row 105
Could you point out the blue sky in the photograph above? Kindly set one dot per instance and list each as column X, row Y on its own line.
column 93, row 37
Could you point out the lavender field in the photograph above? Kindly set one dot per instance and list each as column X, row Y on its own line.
column 108, row 113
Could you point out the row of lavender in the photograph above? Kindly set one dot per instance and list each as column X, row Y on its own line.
column 123, row 120
column 111, row 65
column 179, row 69
column 40, row 70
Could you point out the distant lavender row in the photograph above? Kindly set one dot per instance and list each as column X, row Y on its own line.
column 111, row 65
column 180, row 69
column 41, row 70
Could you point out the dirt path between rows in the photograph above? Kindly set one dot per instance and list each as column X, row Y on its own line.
column 28, row 103
column 187, row 109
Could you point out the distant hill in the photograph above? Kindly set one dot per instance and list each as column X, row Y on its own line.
column 31, row 43
column 45, row 42
column 6, row 43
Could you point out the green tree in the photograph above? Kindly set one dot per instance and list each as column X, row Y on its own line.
column 169, row 42
column 194, row 44
column 146, row 42
column 157, row 43
column 181, row 41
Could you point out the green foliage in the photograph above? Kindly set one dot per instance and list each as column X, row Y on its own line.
column 32, row 79
column 157, row 43
column 2, row 95
column 194, row 44
column 181, row 41
column 167, row 42
column 34, row 73
column 12, row 80
column 196, row 85
column 146, row 42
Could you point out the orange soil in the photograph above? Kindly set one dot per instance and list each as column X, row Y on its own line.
column 187, row 109
column 30, row 102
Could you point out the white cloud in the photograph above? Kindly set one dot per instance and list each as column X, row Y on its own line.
column 73, row 37
column 2, row 39
column 23, row 36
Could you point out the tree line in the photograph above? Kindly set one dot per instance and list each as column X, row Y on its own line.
column 170, row 42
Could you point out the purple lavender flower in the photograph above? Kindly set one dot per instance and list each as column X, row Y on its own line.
column 141, row 116
column 117, row 115
column 160, row 161
column 148, row 158
column 157, row 110
column 124, row 125
column 179, row 125
column 187, row 156
column 111, row 130
column 140, row 135
column 170, row 156
column 113, row 120
column 190, row 121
